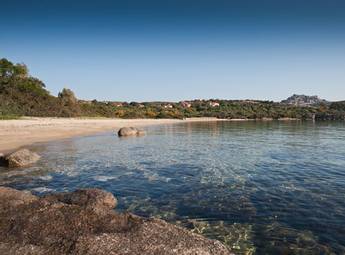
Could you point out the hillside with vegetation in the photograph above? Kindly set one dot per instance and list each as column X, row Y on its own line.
column 303, row 100
column 24, row 95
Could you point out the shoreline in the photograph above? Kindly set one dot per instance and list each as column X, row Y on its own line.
column 86, row 222
column 26, row 131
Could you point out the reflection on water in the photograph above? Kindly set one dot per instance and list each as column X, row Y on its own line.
column 259, row 187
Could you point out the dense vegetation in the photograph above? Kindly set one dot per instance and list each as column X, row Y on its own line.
column 24, row 95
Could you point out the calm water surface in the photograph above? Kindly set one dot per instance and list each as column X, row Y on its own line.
column 259, row 187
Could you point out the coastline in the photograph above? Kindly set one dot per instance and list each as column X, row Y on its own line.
column 29, row 130
column 85, row 222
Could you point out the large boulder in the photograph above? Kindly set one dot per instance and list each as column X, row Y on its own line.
column 68, row 223
column 21, row 158
column 130, row 131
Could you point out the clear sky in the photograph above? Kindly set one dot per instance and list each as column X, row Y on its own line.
column 145, row 50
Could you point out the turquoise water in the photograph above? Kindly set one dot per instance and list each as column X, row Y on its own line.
column 259, row 187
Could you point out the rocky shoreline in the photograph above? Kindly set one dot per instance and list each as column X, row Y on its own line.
column 84, row 222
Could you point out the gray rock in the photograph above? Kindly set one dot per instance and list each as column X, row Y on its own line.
column 130, row 131
column 21, row 158
column 303, row 100
column 83, row 222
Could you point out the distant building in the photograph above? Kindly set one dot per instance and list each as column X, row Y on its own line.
column 186, row 104
column 168, row 106
column 214, row 104
column 117, row 104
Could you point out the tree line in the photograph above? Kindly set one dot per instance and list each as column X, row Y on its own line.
column 24, row 95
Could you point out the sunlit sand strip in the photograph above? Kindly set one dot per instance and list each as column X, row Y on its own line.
column 26, row 131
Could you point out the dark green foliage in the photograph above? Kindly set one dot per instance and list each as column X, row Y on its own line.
column 338, row 106
column 10, row 70
column 23, row 95
column 67, row 96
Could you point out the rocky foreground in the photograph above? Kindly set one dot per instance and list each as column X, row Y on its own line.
column 84, row 222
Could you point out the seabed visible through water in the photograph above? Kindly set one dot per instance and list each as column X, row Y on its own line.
column 259, row 187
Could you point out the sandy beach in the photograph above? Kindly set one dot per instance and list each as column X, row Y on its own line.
column 26, row 131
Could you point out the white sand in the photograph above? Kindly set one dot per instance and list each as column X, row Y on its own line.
column 26, row 131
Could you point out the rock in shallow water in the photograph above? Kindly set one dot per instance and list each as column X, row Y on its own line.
column 2, row 160
column 90, row 199
column 130, row 131
column 21, row 158
column 83, row 222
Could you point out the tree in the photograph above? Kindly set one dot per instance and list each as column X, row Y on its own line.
column 21, row 71
column 6, row 68
column 9, row 70
column 67, row 96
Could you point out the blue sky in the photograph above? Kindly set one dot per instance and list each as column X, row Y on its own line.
column 139, row 50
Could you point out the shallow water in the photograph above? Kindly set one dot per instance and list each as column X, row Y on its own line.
column 259, row 187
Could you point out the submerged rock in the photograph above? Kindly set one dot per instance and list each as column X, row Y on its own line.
column 141, row 132
column 130, row 131
column 91, row 199
column 21, row 158
column 277, row 238
column 84, row 222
